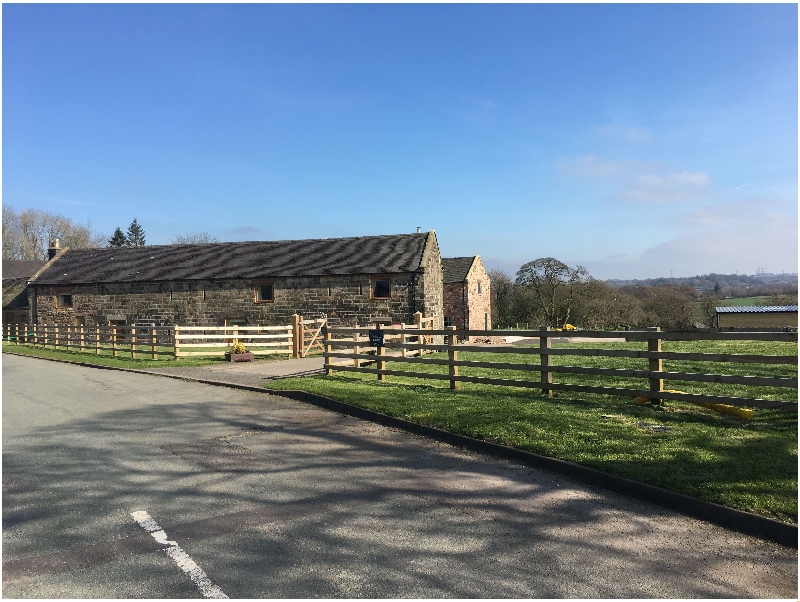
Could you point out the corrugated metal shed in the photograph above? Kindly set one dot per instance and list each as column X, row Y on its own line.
column 753, row 309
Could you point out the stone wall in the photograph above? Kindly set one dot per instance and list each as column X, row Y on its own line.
column 345, row 299
column 479, row 304
column 455, row 303
column 429, row 288
column 467, row 305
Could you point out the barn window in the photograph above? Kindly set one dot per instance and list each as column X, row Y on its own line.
column 381, row 288
column 64, row 300
column 480, row 289
column 448, row 321
column 265, row 292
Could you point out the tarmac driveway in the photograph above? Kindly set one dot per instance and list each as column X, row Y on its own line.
column 128, row 485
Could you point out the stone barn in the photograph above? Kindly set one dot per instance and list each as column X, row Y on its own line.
column 350, row 280
column 467, row 299
column 16, row 274
column 755, row 316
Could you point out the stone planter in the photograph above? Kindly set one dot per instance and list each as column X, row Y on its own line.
column 247, row 356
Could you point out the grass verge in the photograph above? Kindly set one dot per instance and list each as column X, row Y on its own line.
column 121, row 361
column 749, row 465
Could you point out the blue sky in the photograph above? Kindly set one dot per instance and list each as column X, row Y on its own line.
column 636, row 140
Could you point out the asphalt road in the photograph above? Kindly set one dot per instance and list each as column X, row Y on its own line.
column 127, row 485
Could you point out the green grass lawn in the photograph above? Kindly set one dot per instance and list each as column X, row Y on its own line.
column 745, row 464
column 123, row 360
column 744, row 301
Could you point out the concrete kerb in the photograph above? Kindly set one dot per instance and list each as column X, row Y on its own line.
column 737, row 520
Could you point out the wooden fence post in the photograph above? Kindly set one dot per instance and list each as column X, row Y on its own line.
column 153, row 341
column 35, row 334
column 97, row 340
column 452, row 353
column 297, row 344
column 379, row 353
column 16, row 337
column 356, row 349
column 403, row 340
column 83, row 340
column 546, row 358
column 114, row 341
column 55, row 337
column 655, row 365
column 133, row 342
column 418, row 323
column 326, row 350
column 176, row 345
column 25, row 333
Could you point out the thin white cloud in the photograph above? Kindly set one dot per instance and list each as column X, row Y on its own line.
column 641, row 181
column 626, row 132
column 723, row 238
column 735, row 216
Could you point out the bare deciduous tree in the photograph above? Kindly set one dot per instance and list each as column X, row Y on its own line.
column 601, row 307
column 554, row 285
column 193, row 238
column 27, row 234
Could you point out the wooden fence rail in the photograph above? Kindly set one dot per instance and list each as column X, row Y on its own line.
column 211, row 340
column 155, row 341
column 372, row 360
column 133, row 340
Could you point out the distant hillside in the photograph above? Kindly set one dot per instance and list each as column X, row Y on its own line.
column 726, row 284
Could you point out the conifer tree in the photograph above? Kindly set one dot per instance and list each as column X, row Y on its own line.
column 135, row 235
column 119, row 239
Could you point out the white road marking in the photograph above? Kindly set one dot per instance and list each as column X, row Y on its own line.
column 181, row 558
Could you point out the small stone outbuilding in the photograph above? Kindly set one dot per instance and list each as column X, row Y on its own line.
column 467, row 295
column 350, row 280
column 755, row 316
column 16, row 274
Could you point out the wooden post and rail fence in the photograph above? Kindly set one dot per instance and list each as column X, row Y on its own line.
column 351, row 345
column 138, row 341
column 409, row 343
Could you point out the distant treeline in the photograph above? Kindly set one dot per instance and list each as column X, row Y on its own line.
column 548, row 292
column 725, row 285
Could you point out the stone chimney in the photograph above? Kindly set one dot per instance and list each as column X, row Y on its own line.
column 55, row 247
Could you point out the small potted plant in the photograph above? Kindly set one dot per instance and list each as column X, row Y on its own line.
column 238, row 353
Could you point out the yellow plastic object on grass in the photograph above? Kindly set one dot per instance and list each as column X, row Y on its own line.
column 722, row 408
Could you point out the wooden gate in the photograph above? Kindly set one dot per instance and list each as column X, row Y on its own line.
column 308, row 334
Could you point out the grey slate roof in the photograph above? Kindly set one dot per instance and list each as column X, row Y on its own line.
column 756, row 309
column 455, row 269
column 21, row 268
column 398, row 253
